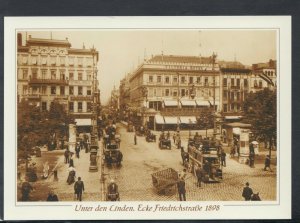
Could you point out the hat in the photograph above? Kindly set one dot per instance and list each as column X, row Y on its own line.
column 247, row 184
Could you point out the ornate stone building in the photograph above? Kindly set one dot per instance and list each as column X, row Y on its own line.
column 49, row 69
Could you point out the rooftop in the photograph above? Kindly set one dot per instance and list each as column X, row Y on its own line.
column 39, row 41
column 180, row 59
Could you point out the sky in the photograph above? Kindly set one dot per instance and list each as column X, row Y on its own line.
column 121, row 51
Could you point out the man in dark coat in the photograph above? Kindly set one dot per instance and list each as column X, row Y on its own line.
column 67, row 156
column 77, row 150
column 199, row 174
column 79, row 188
column 223, row 157
column 181, row 189
column 52, row 196
column 26, row 189
column 267, row 163
column 247, row 192
column 135, row 139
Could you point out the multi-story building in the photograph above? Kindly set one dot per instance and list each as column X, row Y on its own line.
column 50, row 69
column 177, row 87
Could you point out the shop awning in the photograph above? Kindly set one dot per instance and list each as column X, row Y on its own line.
column 159, row 119
column 188, row 119
column 202, row 103
column 171, row 120
column 83, row 122
column 188, row 102
column 233, row 117
column 171, row 103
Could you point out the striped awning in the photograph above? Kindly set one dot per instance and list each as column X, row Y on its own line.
column 188, row 102
column 188, row 119
column 171, row 120
column 159, row 119
column 202, row 103
column 170, row 103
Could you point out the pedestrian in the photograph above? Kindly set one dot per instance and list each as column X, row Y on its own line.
column 135, row 139
column 79, row 188
column 183, row 174
column 67, row 155
column 52, row 196
column 247, row 192
column 71, row 175
column 178, row 143
column 267, row 163
column 251, row 160
column 199, row 174
column 77, row 150
column 181, row 189
column 223, row 157
column 174, row 137
column 45, row 170
column 71, row 162
column 26, row 189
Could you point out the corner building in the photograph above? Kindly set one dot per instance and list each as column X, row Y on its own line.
column 173, row 90
column 50, row 70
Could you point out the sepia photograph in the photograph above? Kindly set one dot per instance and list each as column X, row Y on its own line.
column 123, row 118
column 146, row 115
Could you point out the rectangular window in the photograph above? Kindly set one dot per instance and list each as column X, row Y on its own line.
column 225, row 107
column 62, row 61
column 34, row 60
column 88, row 91
column 206, row 81
column 174, row 79
column 71, row 76
column 71, row 90
column 225, row 95
column 245, row 83
column 238, row 84
column 53, row 90
column 62, row 90
column 25, row 74
column 225, row 82
column 191, row 80
column 260, row 84
column 80, row 76
column 44, row 74
column 71, row 61
column 53, row 74
column 44, row 106
column 79, row 106
column 182, row 80
column 232, row 107
column 238, row 107
column 89, row 76
column 34, row 73
column 174, row 93
column 182, row 92
column 158, row 79
column 88, row 106
column 62, row 75
column 79, row 90
column 25, row 88
column 198, row 80
column 167, row 80
column 53, row 60
column 167, row 92
column 71, row 106
column 150, row 79
column 154, row 92
column 44, row 90
column 79, row 60
column 232, row 96
column 44, row 60
column 238, row 95
column 232, row 82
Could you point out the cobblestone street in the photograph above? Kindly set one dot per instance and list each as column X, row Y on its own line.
column 134, row 176
column 141, row 160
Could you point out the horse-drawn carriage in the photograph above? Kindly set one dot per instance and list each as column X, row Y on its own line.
column 112, row 153
column 130, row 127
column 140, row 130
column 165, row 181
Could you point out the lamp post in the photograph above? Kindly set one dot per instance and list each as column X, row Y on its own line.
column 214, row 56
column 145, row 95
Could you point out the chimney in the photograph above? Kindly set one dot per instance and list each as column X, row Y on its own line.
column 19, row 38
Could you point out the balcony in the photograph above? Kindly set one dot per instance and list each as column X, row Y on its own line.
column 40, row 81
column 81, row 82
column 81, row 98
column 36, row 96
column 235, row 87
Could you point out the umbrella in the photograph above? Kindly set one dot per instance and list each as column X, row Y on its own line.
column 254, row 143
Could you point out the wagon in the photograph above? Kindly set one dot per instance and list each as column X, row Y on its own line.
column 165, row 181
column 164, row 144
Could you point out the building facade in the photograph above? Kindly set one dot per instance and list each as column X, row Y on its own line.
column 175, row 87
column 50, row 70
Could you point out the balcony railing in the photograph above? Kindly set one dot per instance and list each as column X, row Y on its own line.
column 235, row 87
column 47, row 81
column 34, row 96
column 80, row 82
